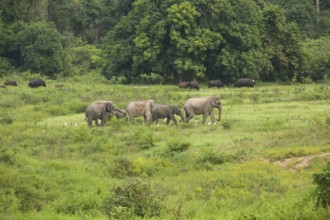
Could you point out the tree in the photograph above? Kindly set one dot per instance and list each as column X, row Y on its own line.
column 41, row 49
column 282, row 43
column 316, row 58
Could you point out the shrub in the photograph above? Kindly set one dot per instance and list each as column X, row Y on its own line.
column 178, row 146
column 133, row 198
column 142, row 139
column 122, row 167
column 323, row 187
column 6, row 119
column 226, row 124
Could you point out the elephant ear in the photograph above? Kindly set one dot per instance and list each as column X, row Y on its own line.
column 215, row 100
column 109, row 107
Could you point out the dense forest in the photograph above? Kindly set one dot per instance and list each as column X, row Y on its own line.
column 153, row 41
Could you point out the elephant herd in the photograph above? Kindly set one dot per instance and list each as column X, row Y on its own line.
column 151, row 111
column 242, row 82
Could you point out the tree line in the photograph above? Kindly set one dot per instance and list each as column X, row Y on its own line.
column 167, row 41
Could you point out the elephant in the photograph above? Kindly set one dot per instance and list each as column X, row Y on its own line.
column 34, row 83
column 166, row 111
column 140, row 108
column 194, row 85
column 99, row 110
column 204, row 106
column 245, row 82
column 215, row 83
column 183, row 85
column 10, row 83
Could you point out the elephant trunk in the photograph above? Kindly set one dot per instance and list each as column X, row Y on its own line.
column 220, row 111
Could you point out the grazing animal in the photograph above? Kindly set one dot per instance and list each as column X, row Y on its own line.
column 140, row 109
column 99, row 110
column 183, row 85
column 245, row 82
column 10, row 83
column 166, row 111
column 194, row 85
column 35, row 83
column 215, row 83
column 202, row 106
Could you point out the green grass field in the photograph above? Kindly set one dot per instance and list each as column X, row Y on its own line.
column 258, row 163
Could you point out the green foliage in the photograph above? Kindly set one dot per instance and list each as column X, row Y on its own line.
column 323, row 186
column 133, row 198
column 316, row 59
column 5, row 66
column 41, row 48
column 178, row 146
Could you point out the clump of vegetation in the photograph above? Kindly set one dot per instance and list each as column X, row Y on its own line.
column 178, row 146
column 323, row 187
column 133, row 199
column 227, row 124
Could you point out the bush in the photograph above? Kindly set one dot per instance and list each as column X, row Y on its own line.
column 133, row 198
column 178, row 146
column 323, row 187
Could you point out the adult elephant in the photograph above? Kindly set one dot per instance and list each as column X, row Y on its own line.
column 215, row 83
column 245, row 82
column 35, row 83
column 202, row 106
column 139, row 109
column 166, row 111
column 99, row 110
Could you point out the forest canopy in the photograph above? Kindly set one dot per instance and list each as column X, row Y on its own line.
column 167, row 41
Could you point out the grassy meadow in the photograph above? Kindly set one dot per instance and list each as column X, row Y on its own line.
column 258, row 163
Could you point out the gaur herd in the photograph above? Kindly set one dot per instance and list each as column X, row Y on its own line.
column 34, row 83
column 242, row 82
column 149, row 110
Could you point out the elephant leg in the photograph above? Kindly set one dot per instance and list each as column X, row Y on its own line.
column 212, row 117
column 96, row 122
column 205, row 114
column 188, row 116
column 103, row 119
column 174, row 120
column 168, row 119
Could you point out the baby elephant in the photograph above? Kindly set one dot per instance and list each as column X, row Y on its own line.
column 166, row 111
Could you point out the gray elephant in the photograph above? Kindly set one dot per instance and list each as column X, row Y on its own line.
column 166, row 111
column 139, row 109
column 99, row 110
column 245, row 82
column 204, row 106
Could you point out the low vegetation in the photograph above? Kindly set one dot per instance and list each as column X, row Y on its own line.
column 52, row 166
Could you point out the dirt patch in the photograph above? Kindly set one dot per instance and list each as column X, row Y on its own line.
column 299, row 162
